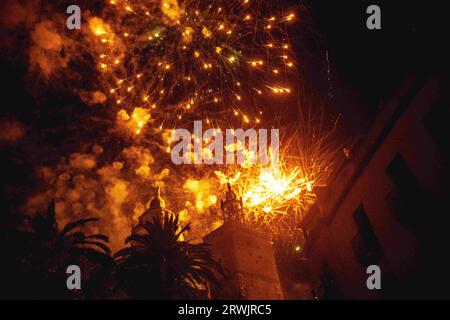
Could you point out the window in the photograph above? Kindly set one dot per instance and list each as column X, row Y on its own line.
column 406, row 197
column 436, row 122
column 365, row 244
column 402, row 177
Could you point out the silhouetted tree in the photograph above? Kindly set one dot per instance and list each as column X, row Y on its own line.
column 14, row 246
column 52, row 250
column 157, row 265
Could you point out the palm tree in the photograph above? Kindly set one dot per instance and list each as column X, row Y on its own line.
column 54, row 249
column 14, row 246
column 157, row 265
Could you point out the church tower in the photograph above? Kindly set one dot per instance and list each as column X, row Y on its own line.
column 246, row 256
column 156, row 210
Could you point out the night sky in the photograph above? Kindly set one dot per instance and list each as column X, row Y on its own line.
column 364, row 68
column 367, row 65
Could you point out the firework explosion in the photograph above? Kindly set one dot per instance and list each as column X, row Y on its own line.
column 208, row 59
column 276, row 197
column 149, row 67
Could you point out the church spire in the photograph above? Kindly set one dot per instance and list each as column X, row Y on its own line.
column 157, row 202
column 156, row 209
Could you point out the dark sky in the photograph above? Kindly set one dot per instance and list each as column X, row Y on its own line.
column 367, row 65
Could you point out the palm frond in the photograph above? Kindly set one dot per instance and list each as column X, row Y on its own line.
column 70, row 226
column 100, row 237
column 98, row 244
column 141, row 239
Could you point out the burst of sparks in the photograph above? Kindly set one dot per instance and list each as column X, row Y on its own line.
column 274, row 188
column 271, row 194
column 276, row 197
column 192, row 56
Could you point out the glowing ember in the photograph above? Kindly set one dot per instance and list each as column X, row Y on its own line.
column 136, row 121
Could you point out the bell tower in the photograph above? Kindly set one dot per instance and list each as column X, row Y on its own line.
column 246, row 256
column 232, row 207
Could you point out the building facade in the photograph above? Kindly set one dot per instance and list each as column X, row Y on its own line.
column 248, row 261
column 387, row 204
column 246, row 256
